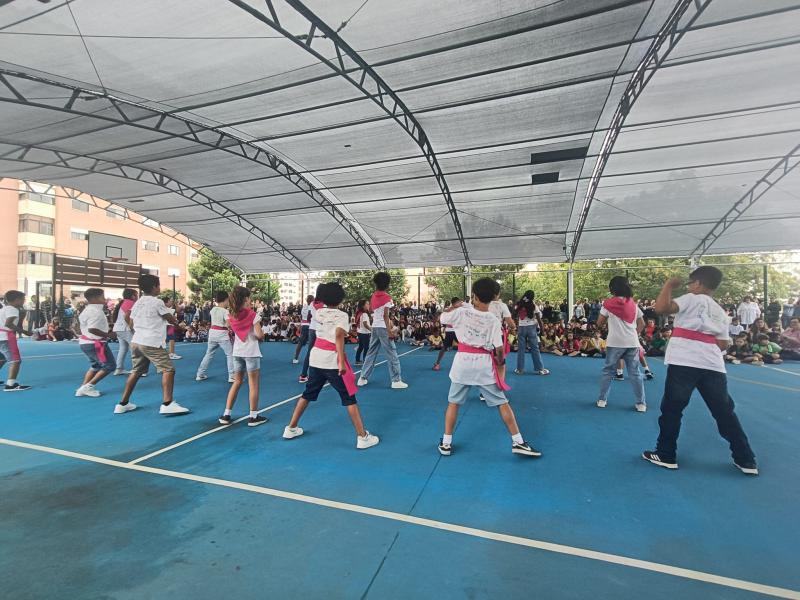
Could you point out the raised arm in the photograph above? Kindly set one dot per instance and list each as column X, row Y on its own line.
column 664, row 304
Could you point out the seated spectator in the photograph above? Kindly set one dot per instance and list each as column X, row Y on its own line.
column 594, row 345
column 549, row 342
column 735, row 328
column 790, row 340
column 352, row 335
column 570, row 345
column 57, row 333
column 770, row 352
column 435, row 340
column 658, row 345
column 740, row 352
column 191, row 334
column 757, row 328
column 418, row 335
column 649, row 329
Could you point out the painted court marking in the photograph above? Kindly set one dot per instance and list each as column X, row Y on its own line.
column 189, row 440
column 769, row 385
column 783, row 371
column 431, row 524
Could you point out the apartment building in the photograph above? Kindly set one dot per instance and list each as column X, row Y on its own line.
column 38, row 221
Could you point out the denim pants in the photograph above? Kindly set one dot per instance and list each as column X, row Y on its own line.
column 713, row 387
column 312, row 338
column 380, row 338
column 211, row 350
column 631, row 358
column 124, row 339
column 528, row 334
column 363, row 346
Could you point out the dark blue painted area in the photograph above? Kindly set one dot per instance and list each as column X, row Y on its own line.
column 591, row 489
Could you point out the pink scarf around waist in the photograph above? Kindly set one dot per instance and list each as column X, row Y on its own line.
column 466, row 348
column 99, row 347
column 349, row 376
column 13, row 347
column 622, row 308
column 691, row 334
column 242, row 323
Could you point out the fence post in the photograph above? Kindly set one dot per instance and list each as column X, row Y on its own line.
column 514, row 287
column 570, row 292
column 467, row 281
column 766, row 286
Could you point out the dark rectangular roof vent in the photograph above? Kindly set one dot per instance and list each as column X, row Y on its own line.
column 540, row 178
column 538, row 158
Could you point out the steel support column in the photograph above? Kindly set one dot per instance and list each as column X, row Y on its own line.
column 570, row 292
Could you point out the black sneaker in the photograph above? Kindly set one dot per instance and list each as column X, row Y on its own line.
column 648, row 374
column 667, row 463
column 748, row 467
column 619, row 377
column 525, row 449
column 225, row 420
column 445, row 449
column 16, row 388
column 256, row 421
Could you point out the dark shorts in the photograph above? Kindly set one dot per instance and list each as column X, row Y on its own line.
column 94, row 361
column 449, row 339
column 317, row 378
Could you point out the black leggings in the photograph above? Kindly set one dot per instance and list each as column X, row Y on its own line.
column 363, row 346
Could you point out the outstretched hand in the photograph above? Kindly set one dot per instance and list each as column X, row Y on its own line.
column 674, row 282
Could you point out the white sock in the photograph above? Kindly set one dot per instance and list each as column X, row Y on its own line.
column 447, row 439
column 11, row 381
column 619, row 371
column 253, row 414
column 517, row 438
column 227, row 412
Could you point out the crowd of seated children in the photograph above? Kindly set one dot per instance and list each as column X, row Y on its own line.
column 435, row 340
column 740, row 351
column 767, row 350
column 657, row 346
column 56, row 332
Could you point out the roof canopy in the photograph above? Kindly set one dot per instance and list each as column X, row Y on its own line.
column 339, row 135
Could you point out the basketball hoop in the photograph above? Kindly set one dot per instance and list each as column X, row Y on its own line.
column 118, row 259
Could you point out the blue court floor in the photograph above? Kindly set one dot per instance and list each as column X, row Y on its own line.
column 96, row 505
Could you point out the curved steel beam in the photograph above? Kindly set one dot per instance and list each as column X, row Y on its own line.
column 666, row 39
column 780, row 170
column 350, row 65
column 91, row 164
column 121, row 112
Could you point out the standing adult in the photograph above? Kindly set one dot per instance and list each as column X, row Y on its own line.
column 530, row 323
column 748, row 312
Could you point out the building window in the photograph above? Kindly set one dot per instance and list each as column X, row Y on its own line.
column 174, row 250
column 172, row 271
column 34, row 257
column 78, row 234
column 115, row 212
column 35, row 197
column 36, row 224
column 80, row 205
column 150, row 246
column 150, row 270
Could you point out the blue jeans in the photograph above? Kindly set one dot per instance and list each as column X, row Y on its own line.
column 631, row 358
column 211, row 350
column 312, row 338
column 380, row 338
column 529, row 334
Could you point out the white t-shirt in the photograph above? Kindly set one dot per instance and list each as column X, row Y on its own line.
column 92, row 317
column 330, row 319
column 377, row 315
column 314, row 323
column 248, row 348
column 734, row 330
column 620, row 333
column 479, row 329
column 748, row 312
column 6, row 313
column 149, row 327
column 305, row 314
column 219, row 318
column 363, row 322
column 121, row 324
column 499, row 309
column 698, row 312
column 531, row 319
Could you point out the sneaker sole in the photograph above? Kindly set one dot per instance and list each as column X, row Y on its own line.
column 174, row 414
column 221, row 422
column 18, row 390
column 291, row 437
column 365, row 447
column 746, row 470
column 257, row 423
column 445, row 452
column 526, row 453
column 670, row 466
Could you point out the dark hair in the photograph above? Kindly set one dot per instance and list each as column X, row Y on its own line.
column 220, row 296
column 332, row 294
column 309, row 298
column 619, row 286
column 13, row 296
column 320, row 291
column 455, row 299
column 360, row 306
column 237, row 297
column 708, row 277
column 148, row 282
column 382, row 281
column 92, row 293
column 742, row 334
column 127, row 294
column 762, row 337
column 665, row 329
column 526, row 302
column 484, row 289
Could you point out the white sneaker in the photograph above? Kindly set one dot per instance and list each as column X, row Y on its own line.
column 361, row 382
column 292, row 432
column 201, row 378
column 123, row 408
column 175, row 357
column 399, row 385
column 367, row 441
column 173, row 408
column 87, row 390
column 640, row 407
column 295, row 361
column 121, row 372
column 601, row 403
column 145, row 374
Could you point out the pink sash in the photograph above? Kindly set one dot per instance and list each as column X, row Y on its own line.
column 242, row 323
column 697, row 336
column 349, row 377
column 475, row 350
column 12, row 344
column 99, row 348
column 218, row 328
column 623, row 308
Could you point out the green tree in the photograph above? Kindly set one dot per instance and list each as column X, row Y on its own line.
column 448, row 282
column 264, row 287
column 209, row 267
column 167, row 295
column 358, row 284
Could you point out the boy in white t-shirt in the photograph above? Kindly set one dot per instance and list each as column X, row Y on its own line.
column 305, row 323
column 480, row 354
column 10, row 326
column 148, row 344
column 328, row 364
column 218, row 337
column 313, row 323
column 383, row 334
column 694, row 360
column 94, row 342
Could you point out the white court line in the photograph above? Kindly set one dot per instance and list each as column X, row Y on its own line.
column 239, row 420
column 32, row 356
column 769, row 385
column 432, row 524
column 782, row 370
